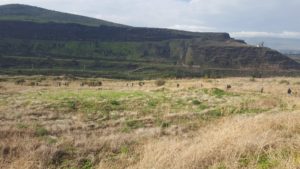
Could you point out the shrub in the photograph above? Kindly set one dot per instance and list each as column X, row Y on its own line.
column 160, row 82
column 165, row 124
column 33, row 84
column 196, row 102
column 58, row 157
column 20, row 81
column 124, row 149
column 72, row 104
column 115, row 103
column 41, row 131
column 86, row 164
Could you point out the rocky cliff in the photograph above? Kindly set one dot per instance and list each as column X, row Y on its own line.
column 71, row 44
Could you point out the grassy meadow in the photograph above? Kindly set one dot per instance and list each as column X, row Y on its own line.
column 60, row 122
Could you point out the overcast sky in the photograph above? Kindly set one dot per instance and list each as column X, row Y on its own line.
column 242, row 18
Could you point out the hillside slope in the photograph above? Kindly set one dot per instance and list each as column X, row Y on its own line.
column 71, row 47
column 19, row 12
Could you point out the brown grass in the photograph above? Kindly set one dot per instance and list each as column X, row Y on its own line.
column 200, row 124
column 236, row 142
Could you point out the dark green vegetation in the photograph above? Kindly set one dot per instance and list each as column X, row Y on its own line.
column 38, row 41
column 18, row 12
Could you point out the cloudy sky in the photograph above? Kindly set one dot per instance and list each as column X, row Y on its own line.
column 242, row 18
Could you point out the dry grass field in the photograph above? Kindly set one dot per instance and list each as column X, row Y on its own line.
column 58, row 122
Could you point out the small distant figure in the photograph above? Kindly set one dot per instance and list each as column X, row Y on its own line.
column 262, row 90
column 289, row 91
column 228, row 87
column 178, row 85
column 132, row 84
column 127, row 84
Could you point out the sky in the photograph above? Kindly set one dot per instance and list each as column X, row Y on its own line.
column 241, row 18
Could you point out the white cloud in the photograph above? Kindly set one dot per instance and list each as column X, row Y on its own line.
column 284, row 34
column 193, row 28
column 194, row 15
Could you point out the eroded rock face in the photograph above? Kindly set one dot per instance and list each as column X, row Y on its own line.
column 235, row 55
column 40, row 39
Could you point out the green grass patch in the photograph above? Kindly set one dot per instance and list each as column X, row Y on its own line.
column 264, row 162
column 22, row 126
column 196, row 102
column 219, row 93
column 130, row 125
column 50, row 140
column 202, row 106
column 87, row 164
column 41, row 131
column 134, row 124
column 215, row 113
column 244, row 162
column 124, row 149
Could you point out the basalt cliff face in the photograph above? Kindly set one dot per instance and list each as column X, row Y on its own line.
column 233, row 54
column 39, row 41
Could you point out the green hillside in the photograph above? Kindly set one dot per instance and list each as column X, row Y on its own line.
column 18, row 12
column 38, row 41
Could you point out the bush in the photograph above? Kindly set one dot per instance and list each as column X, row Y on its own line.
column 86, row 164
column 58, row 157
column 41, row 131
column 115, row 103
column 160, row 82
column 165, row 124
column 20, row 81
column 196, row 102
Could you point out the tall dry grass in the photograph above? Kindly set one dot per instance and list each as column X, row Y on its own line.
column 261, row 141
column 35, row 135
